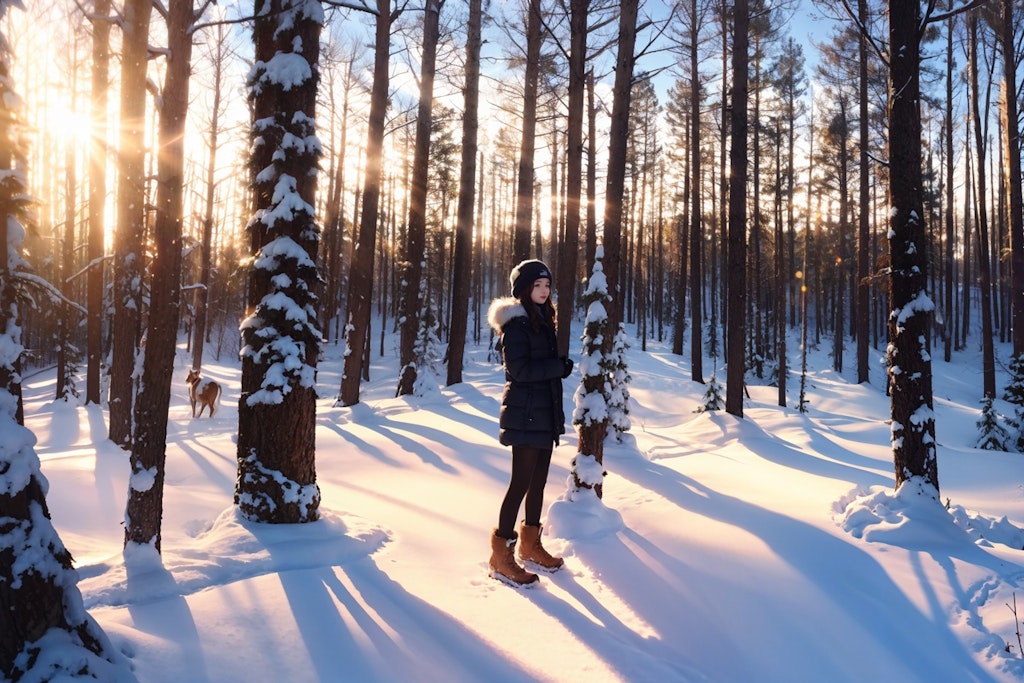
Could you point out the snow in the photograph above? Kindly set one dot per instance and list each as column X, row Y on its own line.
column 768, row 548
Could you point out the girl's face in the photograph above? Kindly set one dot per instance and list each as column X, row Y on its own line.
column 541, row 290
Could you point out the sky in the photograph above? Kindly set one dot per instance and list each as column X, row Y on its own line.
column 768, row 548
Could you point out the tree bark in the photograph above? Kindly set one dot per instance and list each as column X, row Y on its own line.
column 737, row 258
column 616, row 182
column 277, row 407
column 97, row 198
column 66, row 352
column 524, row 197
column 910, row 372
column 334, row 221
column 723, row 195
column 988, row 364
column 948, row 328
column 415, row 249
column 361, row 275
column 591, row 172
column 696, row 213
column 780, row 273
column 863, row 313
column 131, row 211
column 148, row 452
column 462, row 265
column 568, row 261
column 841, row 130
column 202, row 298
column 1011, row 153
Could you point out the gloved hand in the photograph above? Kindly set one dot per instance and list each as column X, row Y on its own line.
column 567, row 367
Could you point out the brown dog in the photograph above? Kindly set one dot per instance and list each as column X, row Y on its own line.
column 206, row 392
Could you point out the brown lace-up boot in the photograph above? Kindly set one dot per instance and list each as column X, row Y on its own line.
column 530, row 549
column 503, row 562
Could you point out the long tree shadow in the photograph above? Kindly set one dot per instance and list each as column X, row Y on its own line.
column 358, row 624
column 928, row 646
column 635, row 645
column 173, row 622
column 422, row 441
column 357, row 620
column 216, row 467
column 777, row 449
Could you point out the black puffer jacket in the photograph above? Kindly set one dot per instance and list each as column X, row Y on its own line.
column 531, row 405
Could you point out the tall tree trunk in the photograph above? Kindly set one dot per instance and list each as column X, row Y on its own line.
column 524, row 197
column 591, row 172
column 361, row 275
column 780, row 272
column 948, row 327
column 202, row 298
column 791, row 110
column 988, row 364
column 965, row 276
column 755, row 274
column 131, row 216
column 148, row 455
column 592, row 434
column 1011, row 154
column 723, row 187
column 66, row 352
column 97, row 198
column 843, row 180
column 417, row 228
column 737, row 257
column 616, row 181
column 910, row 371
column 277, row 408
column 568, row 262
column 462, row 265
column 696, row 185
column 863, row 319
column 805, row 271
column 679, row 319
column 336, row 256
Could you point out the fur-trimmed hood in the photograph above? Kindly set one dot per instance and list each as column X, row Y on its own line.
column 502, row 310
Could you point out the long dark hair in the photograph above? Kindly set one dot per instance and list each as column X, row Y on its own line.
column 539, row 315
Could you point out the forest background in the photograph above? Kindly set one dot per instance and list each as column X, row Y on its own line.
column 814, row 172
column 200, row 169
column 805, row 159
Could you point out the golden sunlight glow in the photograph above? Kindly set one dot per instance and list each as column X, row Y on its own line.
column 65, row 124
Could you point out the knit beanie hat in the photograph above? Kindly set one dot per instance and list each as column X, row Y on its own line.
column 523, row 275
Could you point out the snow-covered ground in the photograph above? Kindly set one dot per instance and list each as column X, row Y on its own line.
column 769, row 548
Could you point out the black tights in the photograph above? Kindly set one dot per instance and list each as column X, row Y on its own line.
column 529, row 475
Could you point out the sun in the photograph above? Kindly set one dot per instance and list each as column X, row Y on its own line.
column 59, row 120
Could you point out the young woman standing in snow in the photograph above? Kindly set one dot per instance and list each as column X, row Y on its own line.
column 531, row 417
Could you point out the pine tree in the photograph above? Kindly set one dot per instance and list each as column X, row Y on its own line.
column 69, row 356
column 427, row 355
column 618, row 385
column 992, row 436
column 277, row 411
column 713, row 399
column 1018, row 427
column 1014, row 392
column 591, row 397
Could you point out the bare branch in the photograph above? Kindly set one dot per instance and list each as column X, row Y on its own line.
column 360, row 7
column 863, row 30
column 161, row 9
column 942, row 16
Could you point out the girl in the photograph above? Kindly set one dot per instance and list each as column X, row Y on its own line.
column 531, row 417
